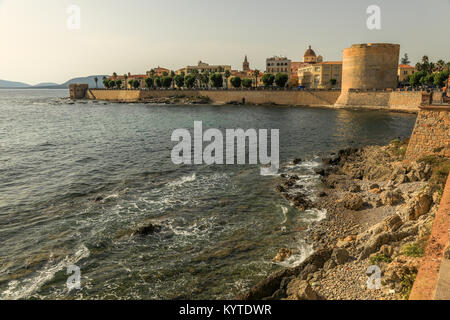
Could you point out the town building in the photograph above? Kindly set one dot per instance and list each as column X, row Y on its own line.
column 319, row 75
column 246, row 73
column 202, row 67
column 158, row 72
column 404, row 71
column 277, row 64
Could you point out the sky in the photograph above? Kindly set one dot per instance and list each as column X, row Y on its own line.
column 137, row 35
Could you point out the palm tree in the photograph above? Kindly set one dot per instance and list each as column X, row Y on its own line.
column 114, row 75
column 227, row 75
column 96, row 82
column 125, row 77
column 205, row 78
column 440, row 65
column 256, row 74
column 172, row 75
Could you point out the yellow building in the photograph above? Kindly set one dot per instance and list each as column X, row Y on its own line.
column 204, row 67
column 404, row 71
column 319, row 75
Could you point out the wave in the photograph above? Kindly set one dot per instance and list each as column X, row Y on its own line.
column 25, row 288
column 183, row 180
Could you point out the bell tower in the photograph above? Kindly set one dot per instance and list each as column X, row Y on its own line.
column 246, row 65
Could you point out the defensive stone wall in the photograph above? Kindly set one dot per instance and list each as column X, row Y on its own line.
column 431, row 135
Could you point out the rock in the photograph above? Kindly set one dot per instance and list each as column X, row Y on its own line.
column 330, row 264
column 418, row 206
column 308, row 270
column 375, row 191
column 399, row 268
column 391, row 198
column 280, row 189
column 300, row 290
column 340, row 255
column 282, row 255
column 447, row 252
column 374, row 186
column 374, row 243
column 342, row 243
column 278, row 295
column 323, row 194
column 146, row 229
column 297, row 161
column 387, row 250
column 352, row 201
column 392, row 223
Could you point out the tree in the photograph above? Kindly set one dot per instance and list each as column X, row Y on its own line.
column 149, row 82
column 216, row 80
column 256, row 73
column 204, row 78
column 440, row 78
column 96, row 82
column 114, row 75
column 179, row 80
column 227, row 74
column 172, row 75
column 189, row 80
column 268, row 79
column 119, row 83
column 429, row 79
column 247, row 83
column 106, row 82
column 136, row 83
column 166, row 81
column 440, row 66
column 281, row 79
column 236, row 82
column 158, row 82
column 125, row 77
column 405, row 59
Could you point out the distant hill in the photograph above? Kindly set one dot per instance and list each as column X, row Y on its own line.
column 46, row 84
column 12, row 84
column 50, row 85
column 86, row 80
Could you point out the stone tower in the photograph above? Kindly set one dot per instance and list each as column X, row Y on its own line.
column 246, row 65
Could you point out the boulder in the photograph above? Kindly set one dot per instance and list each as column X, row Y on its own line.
column 297, row 161
column 340, row 255
column 418, row 206
column 387, row 250
column 391, row 198
column 300, row 290
column 309, row 269
column 352, row 201
column 330, row 264
column 282, row 255
column 146, row 228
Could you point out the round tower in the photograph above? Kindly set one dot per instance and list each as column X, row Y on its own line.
column 370, row 66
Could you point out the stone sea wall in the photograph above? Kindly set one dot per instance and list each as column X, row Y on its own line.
column 395, row 100
column 390, row 100
column 431, row 135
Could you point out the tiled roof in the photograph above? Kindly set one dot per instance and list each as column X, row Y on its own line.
column 405, row 66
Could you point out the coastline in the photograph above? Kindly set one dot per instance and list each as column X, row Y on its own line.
column 380, row 210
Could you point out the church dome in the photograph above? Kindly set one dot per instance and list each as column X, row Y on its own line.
column 310, row 53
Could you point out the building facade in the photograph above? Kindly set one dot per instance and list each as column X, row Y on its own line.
column 277, row 64
column 202, row 67
column 320, row 75
column 404, row 71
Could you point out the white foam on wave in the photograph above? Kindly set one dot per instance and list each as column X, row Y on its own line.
column 183, row 180
column 25, row 288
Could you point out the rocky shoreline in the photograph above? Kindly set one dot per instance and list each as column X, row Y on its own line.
column 380, row 210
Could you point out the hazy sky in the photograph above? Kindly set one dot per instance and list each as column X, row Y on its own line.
column 136, row 35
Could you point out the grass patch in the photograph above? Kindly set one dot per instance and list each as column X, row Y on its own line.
column 398, row 147
column 406, row 285
column 440, row 171
column 415, row 249
column 380, row 258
